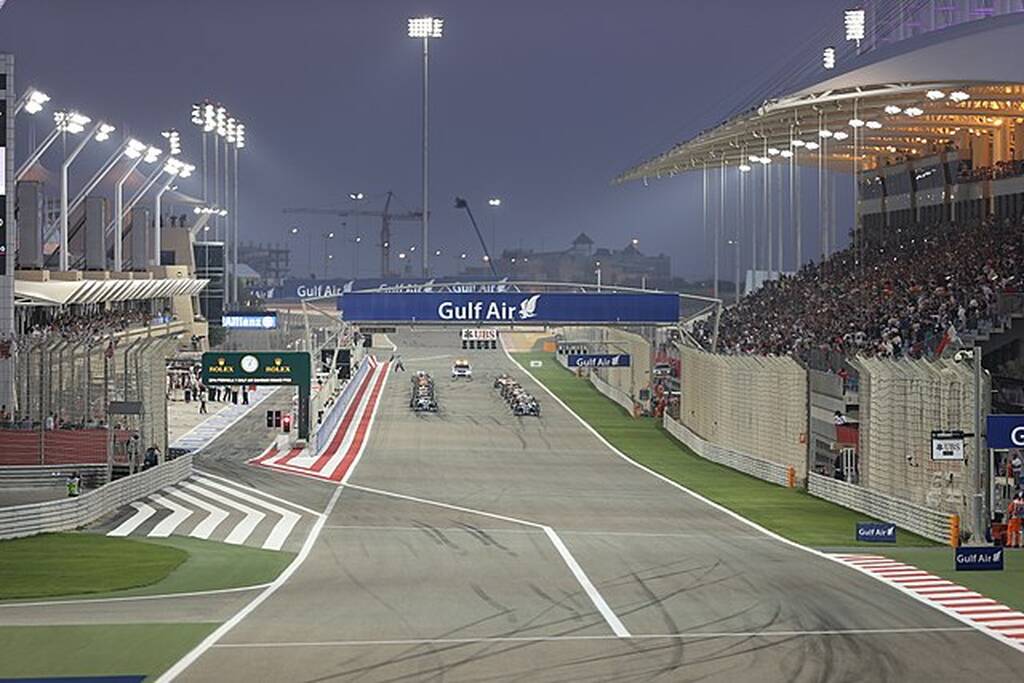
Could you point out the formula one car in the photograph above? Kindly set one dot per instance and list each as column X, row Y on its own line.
column 519, row 400
column 422, row 397
column 462, row 368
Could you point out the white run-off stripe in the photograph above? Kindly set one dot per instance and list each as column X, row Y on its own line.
column 595, row 596
column 142, row 513
column 214, row 515
column 279, row 534
column 243, row 529
column 166, row 526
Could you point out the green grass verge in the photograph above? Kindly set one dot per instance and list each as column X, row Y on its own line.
column 67, row 564
column 95, row 566
column 1006, row 586
column 789, row 512
column 101, row 650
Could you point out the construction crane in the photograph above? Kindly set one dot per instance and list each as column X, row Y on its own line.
column 385, row 225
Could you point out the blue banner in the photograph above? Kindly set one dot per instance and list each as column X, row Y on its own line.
column 876, row 532
column 979, row 558
column 509, row 307
column 249, row 321
column 1005, row 431
column 599, row 360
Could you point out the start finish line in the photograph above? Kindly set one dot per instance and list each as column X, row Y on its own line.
column 509, row 307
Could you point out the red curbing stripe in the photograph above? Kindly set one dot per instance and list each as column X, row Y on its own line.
column 267, row 454
column 940, row 591
column 973, row 611
column 342, row 430
column 952, row 604
column 288, row 457
column 1016, row 616
column 362, row 429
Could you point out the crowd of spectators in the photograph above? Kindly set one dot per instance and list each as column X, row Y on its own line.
column 1001, row 169
column 913, row 291
column 84, row 323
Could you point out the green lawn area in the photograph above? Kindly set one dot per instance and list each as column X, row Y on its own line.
column 101, row 650
column 789, row 512
column 92, row 565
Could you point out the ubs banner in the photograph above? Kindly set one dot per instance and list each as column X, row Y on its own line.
column 509, row 307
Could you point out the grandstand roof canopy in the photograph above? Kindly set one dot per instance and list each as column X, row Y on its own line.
column 905, row 87
column 63, row 293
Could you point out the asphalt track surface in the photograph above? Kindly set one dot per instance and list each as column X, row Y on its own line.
column 395, row 589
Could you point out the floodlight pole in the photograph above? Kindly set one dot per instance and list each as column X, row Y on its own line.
column 426, row 186
column 64, row 260
column 119, row 210
column 37, row 153
column 158, row 219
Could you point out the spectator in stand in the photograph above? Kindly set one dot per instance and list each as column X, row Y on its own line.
column 1016, row 470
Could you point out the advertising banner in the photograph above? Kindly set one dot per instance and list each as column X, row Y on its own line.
column 1005, row 431
column 979, row 558
column 600, row 360
column 509, row 307
column 876, row 532
column 249, row 321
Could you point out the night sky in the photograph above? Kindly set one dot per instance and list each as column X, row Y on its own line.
column 539, row 102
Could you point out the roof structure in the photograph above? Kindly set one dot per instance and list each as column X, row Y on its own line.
column 62, row 293
column 906, row 99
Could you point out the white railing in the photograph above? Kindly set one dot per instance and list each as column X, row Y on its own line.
column 923, row 521
column 72, row 513
column 748, row 464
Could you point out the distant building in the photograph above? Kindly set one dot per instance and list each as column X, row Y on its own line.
column 579, row 263
column 270, row 261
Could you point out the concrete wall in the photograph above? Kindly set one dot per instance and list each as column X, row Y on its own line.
column 620, row 384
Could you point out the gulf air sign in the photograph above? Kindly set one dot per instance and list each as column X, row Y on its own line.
column 508, row 307
column 1005, row 431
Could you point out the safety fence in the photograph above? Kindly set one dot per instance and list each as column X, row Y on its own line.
column 748, row 464
column 73, row 513
column 923, row 521
column 44, row 476
column 614, row 393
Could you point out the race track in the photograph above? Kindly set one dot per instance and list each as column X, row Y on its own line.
column 563, row 563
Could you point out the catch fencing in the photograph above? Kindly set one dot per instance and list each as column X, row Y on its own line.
column 923, row 521
column 901, row 403
column 746, row 404
column 74, row 513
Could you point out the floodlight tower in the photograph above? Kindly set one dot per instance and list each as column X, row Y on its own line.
column 101, row 133
column 426, row 28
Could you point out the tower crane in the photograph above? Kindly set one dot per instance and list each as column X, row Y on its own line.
column 385, row 225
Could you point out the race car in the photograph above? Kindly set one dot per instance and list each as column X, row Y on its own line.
column 462, row 368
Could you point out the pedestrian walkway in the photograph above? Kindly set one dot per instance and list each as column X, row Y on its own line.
column 199, row 436
column 212, row 508
column 347, row 441
column 981, row 612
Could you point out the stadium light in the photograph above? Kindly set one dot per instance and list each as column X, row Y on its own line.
column 824, row 133
column 959, row 96
column 840, row 135
column 494, row 201
column 356, row 196
column 100, row 132
column 935, row 95
column 31, row 102
column 173, row 138
column 797, row 143
column 103, row 132
column 812, row 145
column 873, row 125
column 764, row 161
column 753, row 158
column 70, row 121
column 426, row 27
column 856, row 123
column 773, row 151
column 828, row 58
column 892, row 109
column 913, row 111
column 854, row 22
column 745, row 168
column 786, row 154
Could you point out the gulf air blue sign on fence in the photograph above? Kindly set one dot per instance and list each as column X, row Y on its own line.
column 599, row 360
column 876, row 532
column 508, row 307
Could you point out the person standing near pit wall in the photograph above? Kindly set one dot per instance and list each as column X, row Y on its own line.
column 1014, row 518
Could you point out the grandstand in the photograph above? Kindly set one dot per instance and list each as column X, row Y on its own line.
column 922, row 122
